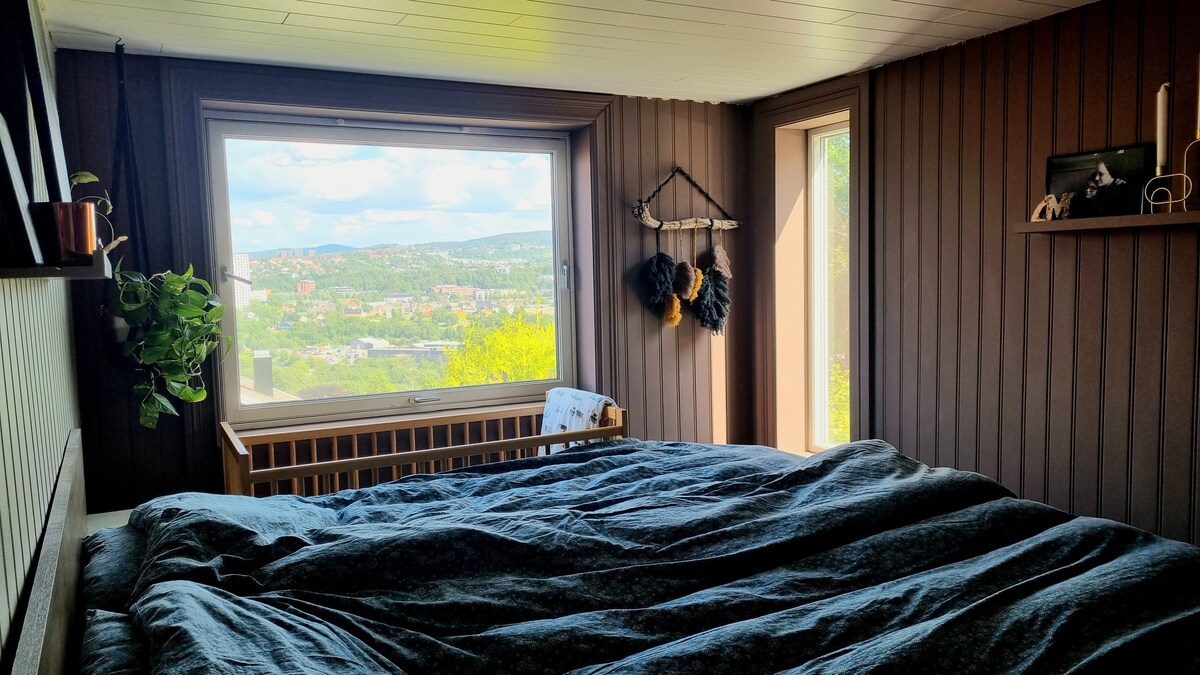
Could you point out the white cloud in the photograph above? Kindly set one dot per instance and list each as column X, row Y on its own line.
column 347, row 180
column 395, row 216
column 263, row 217
column 306, row 194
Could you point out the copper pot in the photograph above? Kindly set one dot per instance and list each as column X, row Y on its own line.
column 68, row 231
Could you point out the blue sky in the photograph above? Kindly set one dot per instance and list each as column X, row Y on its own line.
column 288, row 194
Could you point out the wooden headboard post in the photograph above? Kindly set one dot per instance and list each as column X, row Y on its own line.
column 48, row 638
column 614, row 418
column 236, row 462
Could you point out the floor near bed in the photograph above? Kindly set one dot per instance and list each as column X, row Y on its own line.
column 99, row 521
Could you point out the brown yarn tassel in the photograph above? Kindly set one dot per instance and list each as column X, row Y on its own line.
column 685, row 279
column 721, row 261
column 696, row 287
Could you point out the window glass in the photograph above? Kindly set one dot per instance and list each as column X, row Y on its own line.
column 373, row 270
column 829, row 307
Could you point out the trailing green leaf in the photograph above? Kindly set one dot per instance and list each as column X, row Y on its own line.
column 174, row 328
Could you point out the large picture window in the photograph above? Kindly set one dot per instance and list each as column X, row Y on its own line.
column 380, row 270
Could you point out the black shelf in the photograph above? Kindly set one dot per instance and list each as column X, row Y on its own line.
column 1108, row 223
column 100, row 268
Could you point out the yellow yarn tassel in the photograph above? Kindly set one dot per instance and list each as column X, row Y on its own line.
column 674, row 311
column 696, row 288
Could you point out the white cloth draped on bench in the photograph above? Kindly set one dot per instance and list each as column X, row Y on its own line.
column 570, row 409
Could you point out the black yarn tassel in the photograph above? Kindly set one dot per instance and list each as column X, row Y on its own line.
column 712, row 305
column 656, row 282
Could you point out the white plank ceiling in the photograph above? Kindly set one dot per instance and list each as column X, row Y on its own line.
column 705, row 50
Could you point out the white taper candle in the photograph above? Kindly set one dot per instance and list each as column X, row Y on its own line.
column 1160, row 136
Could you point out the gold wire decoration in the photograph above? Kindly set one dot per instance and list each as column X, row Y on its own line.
column 1158, row 190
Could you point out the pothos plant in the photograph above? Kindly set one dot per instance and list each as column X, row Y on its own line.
column 174, row 326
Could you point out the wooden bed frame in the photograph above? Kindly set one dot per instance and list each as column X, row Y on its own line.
column 313, row 459
column 49, row 635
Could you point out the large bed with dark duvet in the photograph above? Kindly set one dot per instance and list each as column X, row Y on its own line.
column 641, row 557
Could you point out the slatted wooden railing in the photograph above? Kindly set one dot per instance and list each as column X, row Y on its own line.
column 314, row 459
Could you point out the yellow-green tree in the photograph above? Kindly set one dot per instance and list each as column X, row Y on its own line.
column 838, row 162
column 521, row 349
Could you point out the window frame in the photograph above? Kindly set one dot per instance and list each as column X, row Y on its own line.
column 375, row 132
column 770, row 163
column 817, row 189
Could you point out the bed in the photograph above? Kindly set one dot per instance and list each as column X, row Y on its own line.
column 631, row 556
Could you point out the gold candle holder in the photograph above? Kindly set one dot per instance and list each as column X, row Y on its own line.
column 1159, row 191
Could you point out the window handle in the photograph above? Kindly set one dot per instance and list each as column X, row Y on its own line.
column 566, row 272
column 424, row 399
column 226, row 275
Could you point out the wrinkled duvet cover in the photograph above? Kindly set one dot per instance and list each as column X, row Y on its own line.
column 641, row 557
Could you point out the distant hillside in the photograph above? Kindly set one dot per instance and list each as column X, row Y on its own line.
column 321, row 250
column 544, row 238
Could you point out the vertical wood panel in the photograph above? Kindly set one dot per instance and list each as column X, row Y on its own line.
column 1149, row 298
column 705, row 136
column 949, row 227
column 891, row 83
column 970, row 254
column 652, row 330
column 37, row 412
column 1085, row 458
column 1037, row 272
column 1017, row 200
column 685, row 334
column 910, row 263
column 1065, row 257
column 1119, row 280
column 993, row 226
column 1177, row 467
column 1067, row 365
column 927, row 259
column 739, row 336
column 1178, row 421
column 632, row 257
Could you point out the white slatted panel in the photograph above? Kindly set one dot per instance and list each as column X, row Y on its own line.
column 37, row 411
column 709, row 50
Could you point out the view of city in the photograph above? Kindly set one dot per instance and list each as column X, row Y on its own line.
column 339, row 319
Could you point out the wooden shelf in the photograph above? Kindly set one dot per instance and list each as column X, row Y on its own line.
column 100, row 268
column 1111, row 222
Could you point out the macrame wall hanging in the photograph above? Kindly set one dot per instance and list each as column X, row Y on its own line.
column 665, row 284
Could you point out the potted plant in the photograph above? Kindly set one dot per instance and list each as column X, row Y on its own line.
column 67, row 230
column 172, row 325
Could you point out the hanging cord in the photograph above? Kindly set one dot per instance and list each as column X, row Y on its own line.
column 125, row 166
column 678, row 171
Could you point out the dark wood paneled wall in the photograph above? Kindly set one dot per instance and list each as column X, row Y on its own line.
column 1063, row 365
column 37, row 389
column 672, row 395
column 662, row 375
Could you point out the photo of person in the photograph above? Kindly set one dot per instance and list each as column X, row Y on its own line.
column 1107, row 183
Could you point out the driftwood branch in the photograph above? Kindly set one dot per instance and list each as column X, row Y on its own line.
column 642, row 213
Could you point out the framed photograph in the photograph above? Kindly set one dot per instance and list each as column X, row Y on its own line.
column 1104, row 183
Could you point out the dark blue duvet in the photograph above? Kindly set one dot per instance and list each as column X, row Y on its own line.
column 642, row 557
